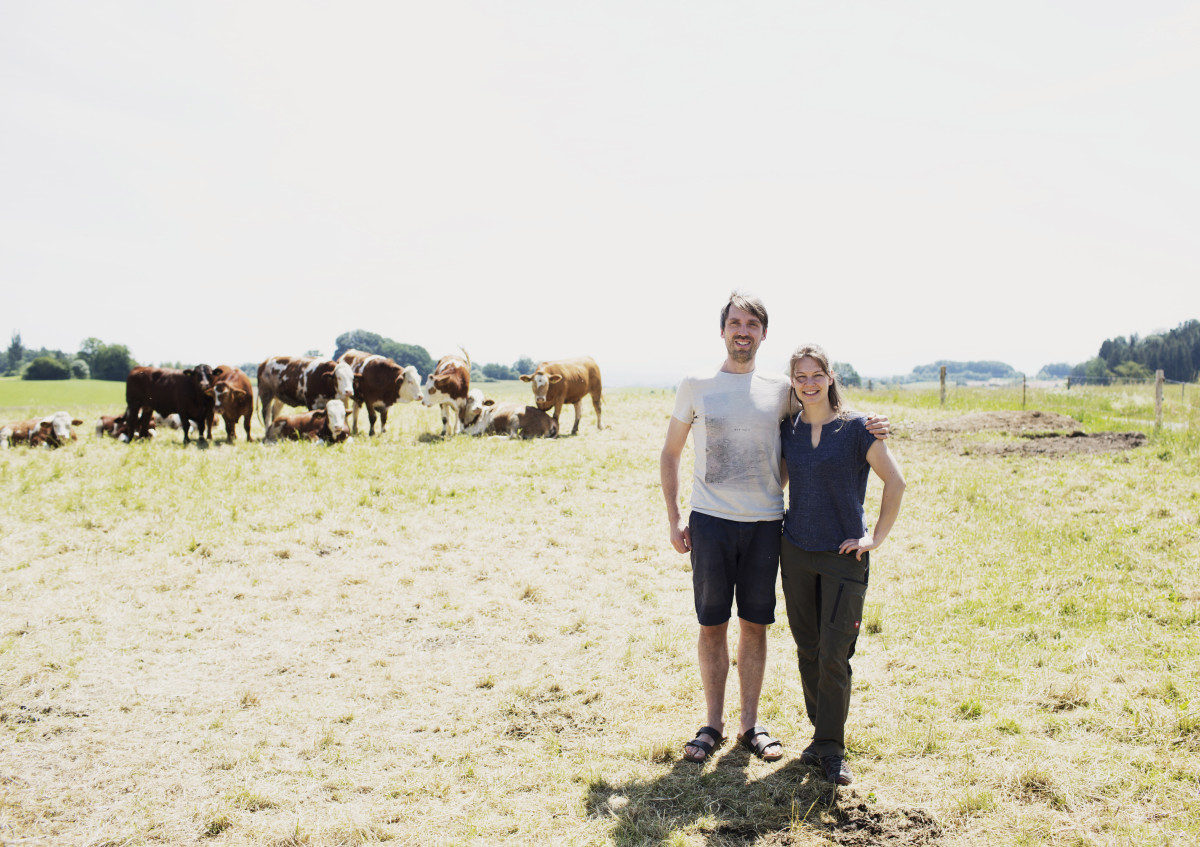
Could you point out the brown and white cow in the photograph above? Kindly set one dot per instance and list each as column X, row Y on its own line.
column 327, row 425
column 51, row 431
column 379, row 382
column 306, row 381
column 513, row 420
column 448, row 387
column 566, row 381
column 119, row 427
column 168, row 391
column 233, row 398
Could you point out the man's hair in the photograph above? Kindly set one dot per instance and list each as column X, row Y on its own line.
column 747, row 303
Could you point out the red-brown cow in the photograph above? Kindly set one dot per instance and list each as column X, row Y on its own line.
column 169, row 391
column 448, row 387
column 306, row 381
column 327, row 425
column 118, row 426
column 513, row 419
column 379, row 383
column 566, row 381
column 233, row 398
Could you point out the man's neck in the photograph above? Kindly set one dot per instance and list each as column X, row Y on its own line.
column 732, row 367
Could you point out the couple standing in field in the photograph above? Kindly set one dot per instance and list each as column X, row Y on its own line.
column 753, row 435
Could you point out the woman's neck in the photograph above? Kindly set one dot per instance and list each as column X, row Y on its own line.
column 817, row 413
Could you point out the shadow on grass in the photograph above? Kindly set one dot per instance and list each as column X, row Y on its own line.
column 722, row 804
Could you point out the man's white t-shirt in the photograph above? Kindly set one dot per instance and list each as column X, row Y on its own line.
column 735, row 431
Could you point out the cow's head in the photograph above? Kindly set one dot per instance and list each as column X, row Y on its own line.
column 226, row 396
column 408, row 385
column 473, row 407
column 55, row 430
column 541, row 382
column 335, row 421
column 343, row 381
column 202, row 379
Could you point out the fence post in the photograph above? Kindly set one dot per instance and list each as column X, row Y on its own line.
column 870, row 385
column 1022, row 392
column 1158, row 398
column 1068, row 382
column 943, row 378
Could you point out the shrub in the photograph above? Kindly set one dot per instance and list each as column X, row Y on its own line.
column 45, row 367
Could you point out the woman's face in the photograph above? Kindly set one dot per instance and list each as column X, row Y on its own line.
column 810, row 381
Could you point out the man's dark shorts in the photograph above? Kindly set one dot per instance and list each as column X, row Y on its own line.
column 734, row 559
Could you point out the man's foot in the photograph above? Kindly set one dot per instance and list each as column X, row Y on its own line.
column 700, row 748
column 759, row 742
column 836, row 770
column 810, row 758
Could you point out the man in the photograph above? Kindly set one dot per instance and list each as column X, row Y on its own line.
column 735, row 523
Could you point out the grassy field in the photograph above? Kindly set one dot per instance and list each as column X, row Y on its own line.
column 482, row 641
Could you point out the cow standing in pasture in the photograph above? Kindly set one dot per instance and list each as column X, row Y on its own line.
column 167, row 391
column 513, row 420
column 233, row 398
column 327, row 425
column 566, row 381
column 378, row 384
column 306, row 381
column 448, row 387
column 51, row 431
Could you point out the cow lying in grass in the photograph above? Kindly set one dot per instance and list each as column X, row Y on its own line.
column 326, row 425
column 51, row 431
column 512, row 420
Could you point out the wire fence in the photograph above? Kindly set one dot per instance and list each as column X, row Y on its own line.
column 1116, row 404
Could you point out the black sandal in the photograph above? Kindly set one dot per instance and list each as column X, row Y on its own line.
column 717, row 740
column 758, row 741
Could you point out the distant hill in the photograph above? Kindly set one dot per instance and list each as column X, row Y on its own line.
column 960, row 371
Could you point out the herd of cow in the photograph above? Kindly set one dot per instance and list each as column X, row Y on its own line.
column 325, row 388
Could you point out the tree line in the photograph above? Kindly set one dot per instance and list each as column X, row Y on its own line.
column 1176, row 353
column 97, row 360
column 93, row 360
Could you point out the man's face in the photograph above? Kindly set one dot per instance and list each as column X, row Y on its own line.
column 742, row 333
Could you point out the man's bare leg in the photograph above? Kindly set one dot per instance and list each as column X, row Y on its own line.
column 752, row 665
column 713, row 650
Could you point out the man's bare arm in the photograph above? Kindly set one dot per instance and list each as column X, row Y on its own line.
column 668, row 469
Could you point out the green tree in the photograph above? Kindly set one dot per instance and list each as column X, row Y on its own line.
column 80, row 370
column 492, row 370
column 112, row 362
column 1054, row 371
column 88, row 350
column 1132, row 370
column 847, row 374
column 1096, row 371
column 371, row 342
column 47, row 367
column 525, row 365
column 16, row 353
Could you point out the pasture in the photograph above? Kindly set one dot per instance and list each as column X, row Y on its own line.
column 410, row 641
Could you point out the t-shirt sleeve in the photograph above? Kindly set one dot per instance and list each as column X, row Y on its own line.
column 865, row 439
column 685, row 410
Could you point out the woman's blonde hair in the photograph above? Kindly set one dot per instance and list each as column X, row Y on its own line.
column 818, row 354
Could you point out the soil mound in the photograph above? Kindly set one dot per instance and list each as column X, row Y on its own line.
column 1041, row 434
column 1013, row 422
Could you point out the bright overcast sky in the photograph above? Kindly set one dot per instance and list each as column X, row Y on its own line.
column 899, row 181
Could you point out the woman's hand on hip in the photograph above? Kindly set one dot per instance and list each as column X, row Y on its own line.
column 858, row 546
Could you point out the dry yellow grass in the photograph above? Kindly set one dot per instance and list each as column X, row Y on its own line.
column 410, row 641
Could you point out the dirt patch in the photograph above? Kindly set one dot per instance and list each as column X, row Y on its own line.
column 857, row 824
column 1013, row 422
column 1041, row 434
column 1062, row 445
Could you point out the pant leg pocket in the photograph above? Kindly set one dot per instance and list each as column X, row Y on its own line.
column 847, row 608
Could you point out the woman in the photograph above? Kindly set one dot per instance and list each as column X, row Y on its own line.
column 825, row 560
